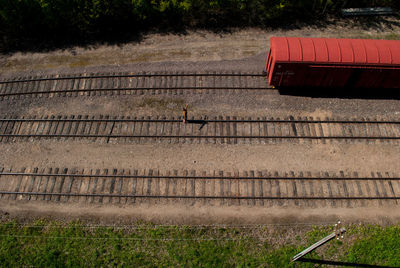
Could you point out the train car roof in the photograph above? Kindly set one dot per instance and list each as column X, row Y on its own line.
column 337, row 51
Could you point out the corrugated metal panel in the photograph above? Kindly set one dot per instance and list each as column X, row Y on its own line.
column 385, row 56
column 295, row 49
column 331, row 50
column 280, row 48
column 393, row 48
column 372, row 52
column 321, row 50
column 334, row 54
column 360, row 55
column 308, row 50
column 346, row 51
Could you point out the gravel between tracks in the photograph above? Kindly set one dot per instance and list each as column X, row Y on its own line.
column 237, row 104
column 276, row 157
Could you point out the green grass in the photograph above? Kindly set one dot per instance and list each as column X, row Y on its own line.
column 53, row 244
column 388, row 36
column 376, row 246
column 392, row 36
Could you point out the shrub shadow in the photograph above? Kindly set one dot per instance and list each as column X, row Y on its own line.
column 121, row 36
column 339, row 263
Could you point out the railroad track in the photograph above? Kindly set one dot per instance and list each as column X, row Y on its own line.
column 131, row 83
column 229, row 129
column 255, row 188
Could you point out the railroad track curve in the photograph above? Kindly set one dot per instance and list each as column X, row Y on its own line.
column 248, row 188
column 132, row 83
column 218, row 129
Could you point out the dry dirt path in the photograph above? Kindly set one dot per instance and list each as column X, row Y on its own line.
column 283, row 157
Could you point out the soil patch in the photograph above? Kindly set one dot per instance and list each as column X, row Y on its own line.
column 192, row 46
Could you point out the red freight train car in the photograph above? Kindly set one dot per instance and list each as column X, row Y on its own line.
column 330, row 62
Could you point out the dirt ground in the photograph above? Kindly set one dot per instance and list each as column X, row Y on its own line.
column 198, row 215
column 193, row 46
column 282, row 157
column 238, row 104
column 239, row 50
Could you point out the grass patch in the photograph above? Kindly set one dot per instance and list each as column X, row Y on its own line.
column 149, row 56
column 374, row 245
column 387, row 36
column 392, row 36
column 52, row 243
column 80, row 63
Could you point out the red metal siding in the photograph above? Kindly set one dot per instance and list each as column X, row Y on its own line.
column 294, row 61
column 372, row 52
column 295, row 50
column 346, row 51
column 360, row 55
column 321, row 50
column 308, row 50
column 334, row 54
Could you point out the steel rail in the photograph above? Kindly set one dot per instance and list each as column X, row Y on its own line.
column 69, row 175
column 207, row 197
column 135, row 89
column 206, row 120
column 197, row 137
column 133, row 75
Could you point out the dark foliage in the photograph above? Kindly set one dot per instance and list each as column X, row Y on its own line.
column 32, row 24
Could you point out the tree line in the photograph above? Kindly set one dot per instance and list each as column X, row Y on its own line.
column 24, row 23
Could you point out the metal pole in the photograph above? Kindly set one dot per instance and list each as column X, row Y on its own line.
column 337, row 233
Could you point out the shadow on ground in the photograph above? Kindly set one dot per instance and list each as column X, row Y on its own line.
column 202, row 123
column 343, row 93
column 46, row 43
column 339, row 263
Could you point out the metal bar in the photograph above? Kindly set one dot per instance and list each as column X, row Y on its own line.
column 123, row 89
column 206, row 121
column 130, row 75
column 199, row 197
column 355, row 66
column 367, row 11
column 185, row 177
column 197, row 137
column 318, row 244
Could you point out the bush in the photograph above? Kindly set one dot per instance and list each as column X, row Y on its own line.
column 54, row 22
